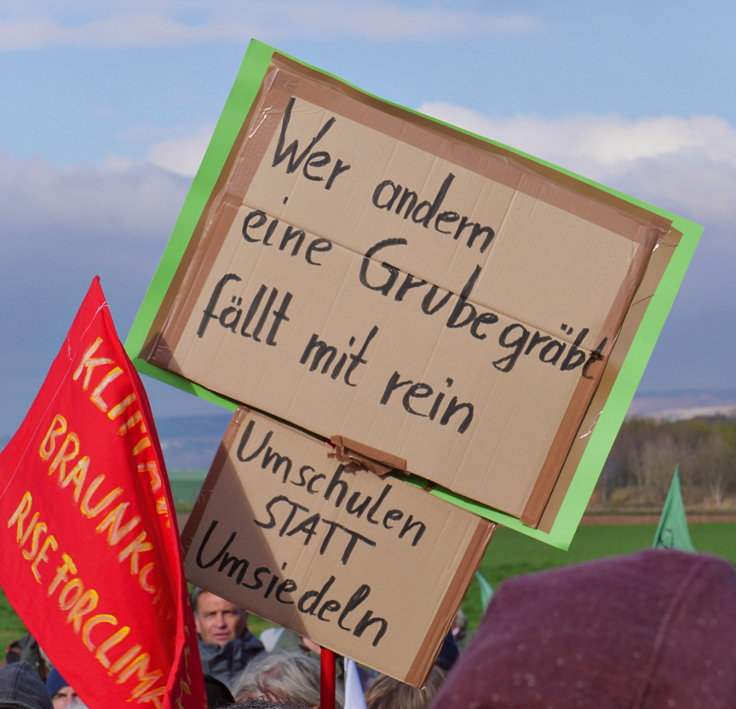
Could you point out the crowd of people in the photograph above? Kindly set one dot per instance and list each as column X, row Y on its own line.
column 651, row 630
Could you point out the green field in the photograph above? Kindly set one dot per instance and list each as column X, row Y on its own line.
column 511, row 554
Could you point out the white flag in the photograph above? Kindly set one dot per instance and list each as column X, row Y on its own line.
column 354, row 698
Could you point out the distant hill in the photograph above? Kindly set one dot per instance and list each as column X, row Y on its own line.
column 190, row 442
column 683, row 404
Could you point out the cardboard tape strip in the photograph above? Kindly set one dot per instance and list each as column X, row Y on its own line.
column 349, row 452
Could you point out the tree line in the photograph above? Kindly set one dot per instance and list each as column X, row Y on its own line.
column 639, row 468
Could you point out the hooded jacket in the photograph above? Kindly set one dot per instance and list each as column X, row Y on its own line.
column 22, row 688
column 226, row 662
column 651, row 630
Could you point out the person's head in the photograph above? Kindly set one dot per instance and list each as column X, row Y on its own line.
column 61, row 693
column 22, row 688
column 216, row 619
column 388, row 693
column 64, row 697
column 652, row 629
column 290, row 677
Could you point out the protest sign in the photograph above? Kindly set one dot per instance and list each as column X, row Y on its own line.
column 90, row 549
column 363, row 271
column 366, row 566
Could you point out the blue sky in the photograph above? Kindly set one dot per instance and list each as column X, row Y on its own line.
column 107, row 109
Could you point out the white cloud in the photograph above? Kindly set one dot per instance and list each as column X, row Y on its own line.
column 111, row 203
column 687, row 165
column 58, row 228
column 181, row 156
column 384, row 20
column 182, row 21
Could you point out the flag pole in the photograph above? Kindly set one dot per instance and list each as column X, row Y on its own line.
column 327, row 679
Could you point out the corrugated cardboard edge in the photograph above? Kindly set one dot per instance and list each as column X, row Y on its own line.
column 656, row 267
column 586, row 389
column 417, row 673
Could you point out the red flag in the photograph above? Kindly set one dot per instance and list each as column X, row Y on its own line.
column 90, row 555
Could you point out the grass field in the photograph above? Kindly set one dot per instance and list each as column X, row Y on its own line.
column 511, row 554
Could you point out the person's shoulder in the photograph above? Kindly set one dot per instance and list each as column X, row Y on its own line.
column 207, row 650
column 251, row 642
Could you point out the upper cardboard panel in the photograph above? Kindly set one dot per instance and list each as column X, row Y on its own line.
column 357, row 269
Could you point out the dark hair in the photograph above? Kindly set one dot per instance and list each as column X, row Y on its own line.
column 194, row 595
column 196, row 592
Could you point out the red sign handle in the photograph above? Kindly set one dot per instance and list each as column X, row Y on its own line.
column 327, row 679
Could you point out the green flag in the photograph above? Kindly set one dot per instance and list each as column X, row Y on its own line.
column 672, row 531
column 486, row 590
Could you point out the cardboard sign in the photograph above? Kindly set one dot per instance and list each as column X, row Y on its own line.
column 367, row 566
column 363, row 271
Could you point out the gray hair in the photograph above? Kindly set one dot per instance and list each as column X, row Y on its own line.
column 264, row 704
column 387, row 692
column 285, row 675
